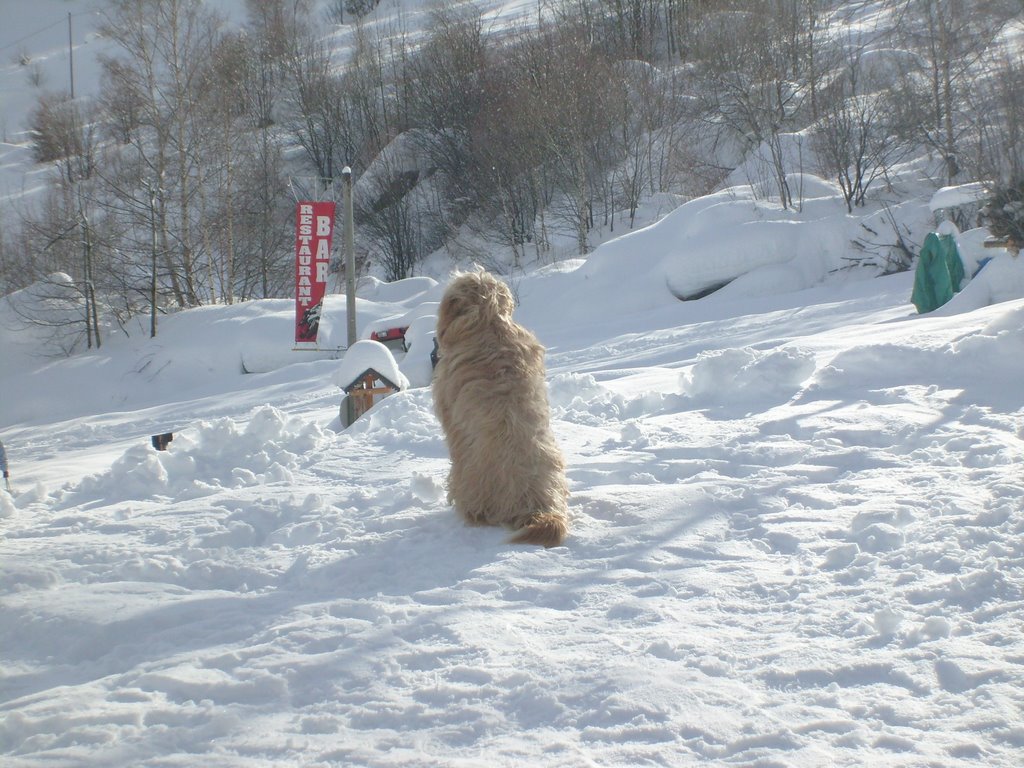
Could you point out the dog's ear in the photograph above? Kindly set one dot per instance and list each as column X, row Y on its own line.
column 497, row 301
column 506, row 302
column 453, row 306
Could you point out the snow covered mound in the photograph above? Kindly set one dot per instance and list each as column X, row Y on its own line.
column 731, row 243
column 213, row 455
column 734, row 378
column 419, row 343
column 409, row 292
column 41, row 321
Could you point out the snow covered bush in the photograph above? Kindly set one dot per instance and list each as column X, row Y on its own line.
column 1003, row 214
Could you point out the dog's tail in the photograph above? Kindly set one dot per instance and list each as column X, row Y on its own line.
column 547, row 529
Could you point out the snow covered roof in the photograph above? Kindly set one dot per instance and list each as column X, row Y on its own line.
column 960, row 194
column 367, row 355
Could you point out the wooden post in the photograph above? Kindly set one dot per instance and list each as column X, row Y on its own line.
column 360, row 394
column 1003, row 242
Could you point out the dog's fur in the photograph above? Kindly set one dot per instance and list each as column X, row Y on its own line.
column 491, row 400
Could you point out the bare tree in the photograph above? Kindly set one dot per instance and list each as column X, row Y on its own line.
column 999, row 99
column 573, row 117
column 53, row 308
column 507, row 180
column 369, row 108
column 394, row 218
column 951, row 37
column 316, row 106
column 858, row 138
column 449, row 73
column 646, row 133
column 67, row 271
column 8, row 265
column 748, row 86
column 53, row 128
column 264, row 226
column 631, row 29
column 227, row 141
column 163, row 45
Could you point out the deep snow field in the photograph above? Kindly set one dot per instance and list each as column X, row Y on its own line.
column 798, row 534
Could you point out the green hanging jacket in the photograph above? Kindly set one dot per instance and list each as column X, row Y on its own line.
column 939, row 273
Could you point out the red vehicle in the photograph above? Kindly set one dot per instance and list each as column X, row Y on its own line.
column 391, row 336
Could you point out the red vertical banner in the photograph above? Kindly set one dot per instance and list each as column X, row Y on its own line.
column 314, row 227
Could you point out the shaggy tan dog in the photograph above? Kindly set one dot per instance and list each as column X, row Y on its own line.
column 490, row 397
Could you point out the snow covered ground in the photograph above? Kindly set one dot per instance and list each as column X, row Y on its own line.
column 798, row 534
column 798, row 540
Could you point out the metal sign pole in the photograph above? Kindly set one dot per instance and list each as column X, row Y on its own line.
column 350, row 256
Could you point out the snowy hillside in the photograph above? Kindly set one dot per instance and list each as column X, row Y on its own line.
column 797, row 540
column 35, row 58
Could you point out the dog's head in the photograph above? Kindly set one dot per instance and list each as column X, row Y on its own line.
column 473, row 300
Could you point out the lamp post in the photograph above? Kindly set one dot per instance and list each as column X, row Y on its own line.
column 350, row 255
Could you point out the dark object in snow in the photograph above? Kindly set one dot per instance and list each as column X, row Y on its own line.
column 435, row 354
column 160, row 441
column 3, row 466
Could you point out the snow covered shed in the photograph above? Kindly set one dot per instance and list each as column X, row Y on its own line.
column 368, row 373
